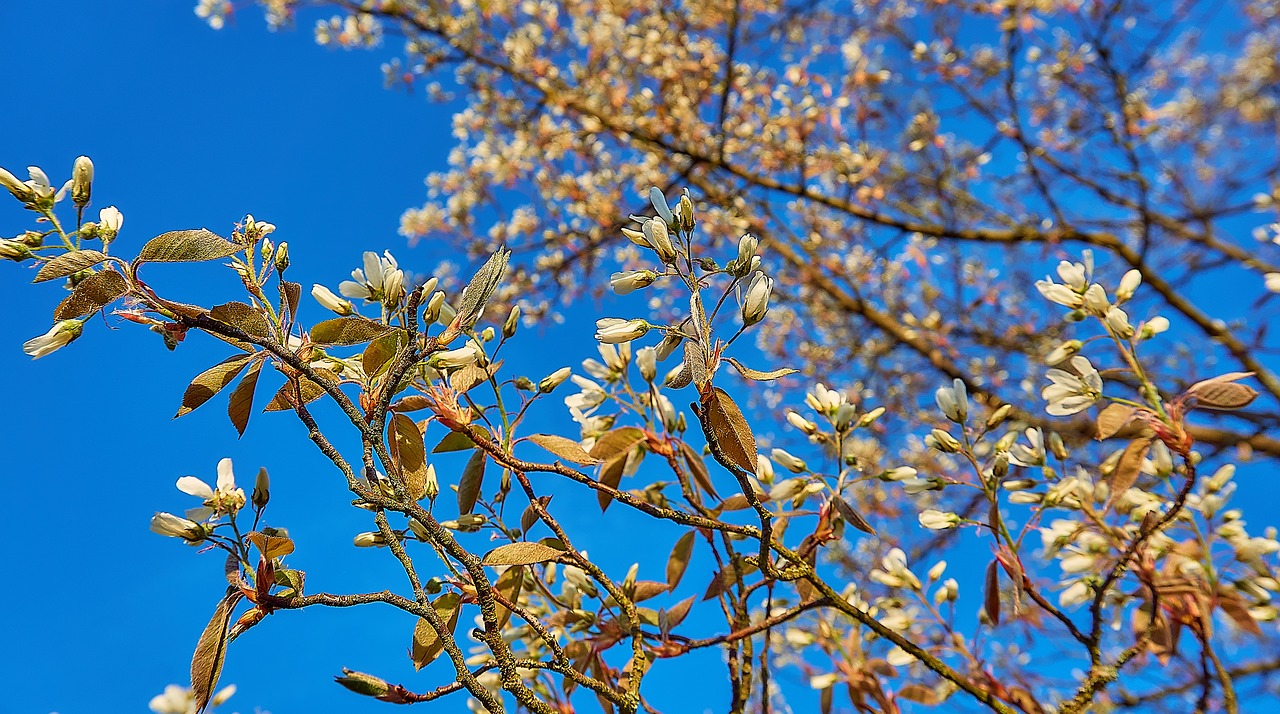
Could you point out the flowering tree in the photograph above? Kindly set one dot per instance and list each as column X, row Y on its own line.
column 877, row 177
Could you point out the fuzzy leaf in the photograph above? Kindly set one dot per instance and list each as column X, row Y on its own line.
column 521, row 553
column 481, row 288
column 1128, row 468
column 471, row 482
column 851, row 515
column 678, row 562
column 187, row 246
column 241, row 404
column 698, row 468
column 349, row 330
column 454, row 441
column 410, row 451
column 728, row 435
column 92, row 294
column 1222, row 393
column 991, row 594
column 285, row 396
column 211, row 651
column 1112, row 419
column 567, row 449
column 271, row 546
column 509, row 585
column 757, row 375
column 70, row 262
column 427, row 643
column 210, row 382
column 380, row 351
column 242, row 316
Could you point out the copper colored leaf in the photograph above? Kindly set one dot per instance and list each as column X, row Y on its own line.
column 991, row 593
column 731, row 440
column 1222, row 393
column 211, row 651
column 241, row 403
column 1112, row 419
column 464, row 379
column 427, row 643
column 471, row 482
column 698, row 468
column 647, row 589
column 210, row 382
column 411, row 453
column 454, row 441
column 187, row 246
column 758, row 376
column 1234, row 606
column 567, row 449
column 509, row 585
column 678, row 561
column 1128, row 468
column 695, row 364
column 285, row 396
column 290, row 294
column 521, row 553
column 92, row 294
column 679, row 611
column 921, row 694
column 245, row 317
column 611, row 476
column 530, row 516
column 70, row 262
column 380, row 351
column 851, row 515
column 349, row 330
column 616, row 442
column 272, row 546
column 411, row 403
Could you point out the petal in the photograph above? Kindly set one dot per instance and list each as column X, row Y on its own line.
column 226, row 477
column 193, row 486
column 199, row 514
column 373, row 269
column 353, row 290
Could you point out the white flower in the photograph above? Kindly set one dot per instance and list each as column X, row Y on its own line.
column 368, row 284
column 369, row 539
column 630, row 281
column 1073, row 274
column 655, row 232
column 787, row 461
column 553, row 380
column 1070, row 393
column 756, row 303
column 329, row 301
column 1118, row 322
column 1077, row 594
column 936, row 520
column 1272, row 282
column 41, row 188
column 167, row 524
column 948, row 591
column 764, row 468
column 647, row 362
column 895, row 572
column 175, row 700
column 1128, row 284
column 744, row 263
column 225, row 498
column 614, row 330
column 1095, row 300
column 1060, row 294
column 110, row 219
column 801, row 423
column 452, row 359
column 1153, row 327
column 914, row 486
column 58, row 336
column 953, row 401
column 823, row 400
column 81, row 181
column 1063, row 351
column 1032, row 455
column 20, row 190
column 901, row 473
column 659, row 202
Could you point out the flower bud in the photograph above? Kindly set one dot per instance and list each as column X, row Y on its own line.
column 686, row 212
column 870, row 417
column 788, row 462
column 282, row 258
column 953, row 401
column 434, row 304
column 799, row 422
column 659, row 202
column 512, row 323
column 1063, row 352
column 110, row 219
column 19, row 189
column 58, row 336
column 636, row 237
column 488, row 333
column 14, row 250
column 447, row 312
column 948, row 592
column 844, row 417
column 938, row 520
column 741, row 265
column 630, row 281
column 999, row 415
column 655, row 232
column 1153, row 327
column 668, row 345
column 937, row 570
column 369, row 539
column 756, row 303
column 432, row 484
column 453, row 359
column 1128, row 284
column 81, row 181
column 1056, row 447
column 167, row 524
column 1095, row 300
column 900, row 473
column 329, row 301
column 393, row 288
column 764, row 468
column 942, row 441
column 261, row 490
column 1060, row 294
column 647, row 362
column 553, row 380
column 1118, row 322
column 362, row 683
column 613, row 330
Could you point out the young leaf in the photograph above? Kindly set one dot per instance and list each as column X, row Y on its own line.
column 271, row 546
column 211, row 651
column 427, row 643
column 851, row 515
column 521, row 553
column 70, row 262
column 210, row 382
column 92, row 294
column 757, row 375
column 349, row 330
column 1114, row 418
column 1222, row 393
column 187, row 246
column 991, row 594
column 679, row 611
column 380, row 351
column 1127, row 469
column 471, row 482
column 245, row 317
column 241, row 404
column 698, row 468
column 617, row 442
column 611, row 476
column 411, row 453
column 481, row 288
column 285, row 396
column 453, row 441
column 728, row 435
column 567, row 449
column 678, row 562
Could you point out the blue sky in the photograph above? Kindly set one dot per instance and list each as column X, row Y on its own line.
column 191, row 127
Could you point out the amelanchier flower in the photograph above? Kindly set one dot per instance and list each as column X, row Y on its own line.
column 630, row 281
column 110, row 219
column 171, row 526
column 659, row 238
column 615, row 330
column 553, row 380
column 81, row 181
column 953, row 401
column 1032, row 455
column 1072, row 393
column 329, row 301
column 453, row 359
column 180, row 700
column 938, row 520
column 368, row 284
column 224, row 499
column 58, row 336
column 756, row 302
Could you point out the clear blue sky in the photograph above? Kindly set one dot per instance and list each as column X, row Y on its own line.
column 191, row 127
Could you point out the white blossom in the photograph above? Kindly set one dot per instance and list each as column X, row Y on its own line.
column 1071, row 393
column 367, row 284
column 58, row 336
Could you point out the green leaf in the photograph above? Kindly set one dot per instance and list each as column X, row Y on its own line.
column 349, row 330
column 679, row 560
column 522, row 553
column 380, row 351
column 187, row 246
column 72, row 261
column 453, row 441
column 244, row 317
column 471, row 482
column 211, row 650
column 481, row 288
column 427, row 643
column 757, row 375
column 91, row 295
column 210, row 382
column 408, row 449
column 241, row 404
column 567, row 449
